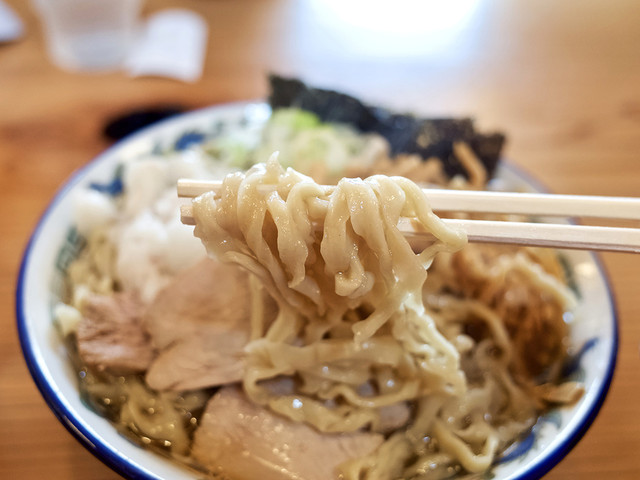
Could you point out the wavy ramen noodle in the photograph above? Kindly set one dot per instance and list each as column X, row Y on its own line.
column 359, row 329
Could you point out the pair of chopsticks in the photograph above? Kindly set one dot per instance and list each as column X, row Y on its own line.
column 557, row 235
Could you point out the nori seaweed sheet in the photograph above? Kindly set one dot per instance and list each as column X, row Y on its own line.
column 406, row 133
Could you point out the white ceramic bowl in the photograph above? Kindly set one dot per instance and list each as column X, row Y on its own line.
column 53, row 244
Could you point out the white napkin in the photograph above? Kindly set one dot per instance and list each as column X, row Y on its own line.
column 172, row 44
column 11, row 27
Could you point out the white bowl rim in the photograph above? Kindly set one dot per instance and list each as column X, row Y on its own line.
column 123, row 465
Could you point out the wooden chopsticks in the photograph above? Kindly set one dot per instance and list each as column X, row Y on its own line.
column 557, row 235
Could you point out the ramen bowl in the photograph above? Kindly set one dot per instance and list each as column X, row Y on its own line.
column 54, row 243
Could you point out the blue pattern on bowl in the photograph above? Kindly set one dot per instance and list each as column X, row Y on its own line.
column 573, row 366
column 188, row 139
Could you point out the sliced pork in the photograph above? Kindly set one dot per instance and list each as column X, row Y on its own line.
column 393, row 417
column 111, row 335
column 199, row 325
column 244, row 441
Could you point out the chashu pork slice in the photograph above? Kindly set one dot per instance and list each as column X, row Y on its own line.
column 244, row 441
column 199, row 325
column 111, row 335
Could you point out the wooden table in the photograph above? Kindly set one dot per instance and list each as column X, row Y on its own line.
column 562, row 78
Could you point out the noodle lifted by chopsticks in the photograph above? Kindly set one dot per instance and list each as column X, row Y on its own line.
column 353, row 338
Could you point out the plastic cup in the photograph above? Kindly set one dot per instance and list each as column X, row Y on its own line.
column 89, row 35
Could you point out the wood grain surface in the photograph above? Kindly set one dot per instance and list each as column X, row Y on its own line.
column 561, row 78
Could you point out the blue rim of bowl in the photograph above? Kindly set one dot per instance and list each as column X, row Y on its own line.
column 110, row 456
column 125, row 466
column 541, row 468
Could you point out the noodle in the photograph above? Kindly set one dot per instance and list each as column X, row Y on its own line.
column 360, row 328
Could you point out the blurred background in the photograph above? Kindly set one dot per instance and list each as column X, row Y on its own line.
column 561, row 79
